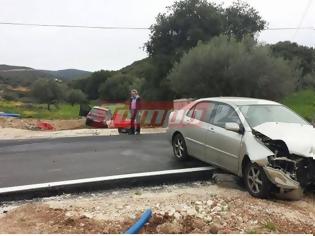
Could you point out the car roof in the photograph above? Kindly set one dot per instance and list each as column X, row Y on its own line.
column 239, row 101
column 100, row 108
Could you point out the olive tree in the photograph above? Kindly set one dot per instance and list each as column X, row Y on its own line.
column 228, row 67
column 76, row 96
column 48, row 92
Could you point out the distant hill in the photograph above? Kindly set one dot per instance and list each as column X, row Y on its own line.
column 69, row 74
column 137, row 68
column 8, row 67
column 25, row 76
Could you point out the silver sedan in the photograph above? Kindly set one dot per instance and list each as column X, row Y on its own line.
column 264, row 142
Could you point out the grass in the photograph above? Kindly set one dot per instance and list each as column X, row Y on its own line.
column 302, row 102
column 39, row 111
column 270, row 226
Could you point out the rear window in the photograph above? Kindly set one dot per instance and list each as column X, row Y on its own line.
column 100, row 114
column 96, row 111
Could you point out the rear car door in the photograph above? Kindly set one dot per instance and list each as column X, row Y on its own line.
column 196, row 126
column 223, row 146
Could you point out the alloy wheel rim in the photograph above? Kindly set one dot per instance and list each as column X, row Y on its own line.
column 255, row 179
column 178, row 147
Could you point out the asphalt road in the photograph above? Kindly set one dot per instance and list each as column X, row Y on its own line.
column 42, row 161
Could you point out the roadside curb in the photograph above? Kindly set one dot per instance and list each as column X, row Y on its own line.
column 31, row 135
column 107, row 182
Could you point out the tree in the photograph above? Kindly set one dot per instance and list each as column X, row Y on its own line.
column 118, row 86
column 48, row 91
column 76, row 96
column 304, row 56
column 227, row 67
column 292, row 51
column 242, row 20
column 178, row 30
column 185, row 24
column 91, row 85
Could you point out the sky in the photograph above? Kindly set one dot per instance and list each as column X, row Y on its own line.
column 95, row 49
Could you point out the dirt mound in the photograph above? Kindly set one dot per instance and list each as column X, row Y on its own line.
column 34, row 218
column 33, row 124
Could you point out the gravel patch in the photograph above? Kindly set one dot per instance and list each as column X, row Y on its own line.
column 198, row 207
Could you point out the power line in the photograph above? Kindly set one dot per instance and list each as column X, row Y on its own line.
column 128, row 27
column 299, row 26
column 75, row 26
column 290, row 28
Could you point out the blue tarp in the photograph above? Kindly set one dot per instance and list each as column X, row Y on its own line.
column 2, row 114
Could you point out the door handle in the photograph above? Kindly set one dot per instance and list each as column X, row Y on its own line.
column 212, row 130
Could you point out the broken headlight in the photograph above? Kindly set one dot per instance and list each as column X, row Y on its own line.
column 285, row 164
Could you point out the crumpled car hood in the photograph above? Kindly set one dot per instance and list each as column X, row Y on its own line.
column 300, row 139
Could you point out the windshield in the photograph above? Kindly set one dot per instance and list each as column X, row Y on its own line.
column 259, row 114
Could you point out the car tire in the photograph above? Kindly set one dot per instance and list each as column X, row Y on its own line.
column 88, row 122
column 180, row 148
column 123, row 130
column 256, row 181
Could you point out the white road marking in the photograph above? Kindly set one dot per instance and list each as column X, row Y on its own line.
column 100, row 179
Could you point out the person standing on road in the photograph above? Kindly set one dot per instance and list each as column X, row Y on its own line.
column 134, row 107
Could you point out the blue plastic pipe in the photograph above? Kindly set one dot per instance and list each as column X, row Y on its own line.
column 140, row 223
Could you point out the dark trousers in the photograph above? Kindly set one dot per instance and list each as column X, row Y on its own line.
column 134, row 121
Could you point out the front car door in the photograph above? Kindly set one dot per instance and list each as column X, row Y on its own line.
column 223, row 146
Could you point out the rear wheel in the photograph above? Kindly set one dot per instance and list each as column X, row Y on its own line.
column 179, row 147
column 256, row 181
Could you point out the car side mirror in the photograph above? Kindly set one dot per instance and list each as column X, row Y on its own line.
column 231, row 126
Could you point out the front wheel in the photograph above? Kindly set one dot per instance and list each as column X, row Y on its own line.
column 256, row 181
column 123, row 130
column 179, row 147
column 88, row 122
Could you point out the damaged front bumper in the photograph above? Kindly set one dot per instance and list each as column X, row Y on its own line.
column 287, row 169
column 280, row 179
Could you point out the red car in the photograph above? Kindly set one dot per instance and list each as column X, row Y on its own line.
column 98, row 117
column 101, row 117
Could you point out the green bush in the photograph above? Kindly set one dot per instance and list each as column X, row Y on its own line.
column 10, row 96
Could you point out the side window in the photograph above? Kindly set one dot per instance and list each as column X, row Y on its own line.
column 225, row 114
column 201, row 111
column 191, row 112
